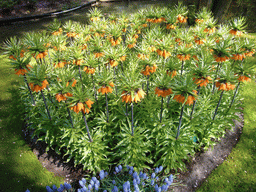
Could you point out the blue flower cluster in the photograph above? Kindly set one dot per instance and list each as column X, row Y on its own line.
column 62, row 188
column 125, row 180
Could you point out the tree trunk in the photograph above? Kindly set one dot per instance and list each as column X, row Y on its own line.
column 220, row 8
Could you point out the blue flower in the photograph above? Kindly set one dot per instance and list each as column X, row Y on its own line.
column 89, row 186
column 116, row 169
column 144, row 176
column 115, row 189
column 106, row 173
column 171, row 178
column 120, row 167
column 94, row 179
column 61, row 188
column 27, row 190
column 164, row 188
column 130, row 172
column 157, row 178
column 105, row 190
column 102, row 174
column 135, row 175
column 152, row 182
column 54, row 188
column 157, row 170
column 67, row 186
column 114, row 182
column 160, row 168
column 49, row 189
column 153, row 175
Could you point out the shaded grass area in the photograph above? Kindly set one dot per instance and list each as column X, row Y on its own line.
column 238, row 171
column 20, row 169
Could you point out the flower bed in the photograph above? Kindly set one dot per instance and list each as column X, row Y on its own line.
column 144, row 90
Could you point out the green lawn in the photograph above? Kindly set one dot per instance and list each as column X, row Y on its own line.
column 19, row 167
column 238, row 171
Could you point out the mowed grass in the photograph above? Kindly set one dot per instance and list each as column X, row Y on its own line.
column 20, row 168
column 238, row 171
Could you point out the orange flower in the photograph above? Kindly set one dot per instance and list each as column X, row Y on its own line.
column 73, row 84
column 111, row 84
column 89, row 70
column 179, row 98
column 169, row 26
column 149, row 70
column 61, row 64
column 183, row 57
column 235, row 32
column 225, row 86
column 202, row 81
column 94, row 19
column 142, row 56
column 78, row 62
column 113, row 63
column 173, row 73
column 123, row 58
column 166, row 54
column 80, row 107
column 59, row 97
column 220, row 59
column 41, row 55
column 190, row 100
column 126, row 97
column 163, row 92
column 244, row 78
column 44, row 84
column 98, row 55
column 131, row 45
column 105, row 89
column 89, row 103
column 238, row 56
column 182, row 19
column 152, row 49
column 21, row 71
column 199, row 21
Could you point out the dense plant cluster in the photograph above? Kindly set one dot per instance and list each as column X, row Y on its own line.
column 144, row 90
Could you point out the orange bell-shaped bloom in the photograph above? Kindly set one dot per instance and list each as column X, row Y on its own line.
column 89, row 103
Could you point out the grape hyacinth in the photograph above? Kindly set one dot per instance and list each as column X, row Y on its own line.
column 125, row 180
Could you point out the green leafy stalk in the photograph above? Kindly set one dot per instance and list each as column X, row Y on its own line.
column 69, row 114
column 147, row 84
column 181, row 114
column 107, row 106
column 234, row 96
column 87, row 128
column 95, row 92
column 217, row 105
column 194, row 104
column 32, row 98
column 182, row 66
column 161, row 113
column 215, row 77
column 48, row 112
column 132, row 120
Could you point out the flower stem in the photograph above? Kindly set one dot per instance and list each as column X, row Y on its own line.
column 181, row 114
column 46, row 105
column 234, row 96
column 191, row 114
column 217, row 105
column 69, row 115
column 215, row 78
column 32, row 98
column 147, row 84
column 107, row 106
column 132, row 120
column 115, row 79
column 161, row 113
column 126, row 106
column 182, row 65
column 95, row 93
column 87, row 128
